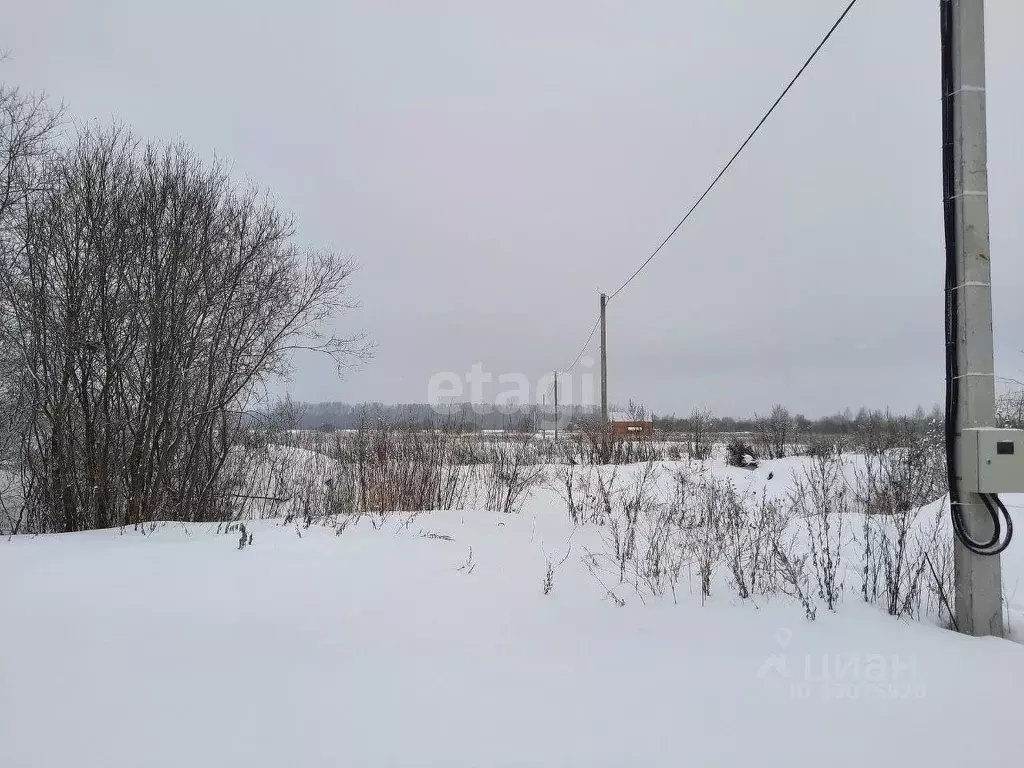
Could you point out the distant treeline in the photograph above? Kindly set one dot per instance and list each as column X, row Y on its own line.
column 844, row 423
column 338, row 415
column 466, row 416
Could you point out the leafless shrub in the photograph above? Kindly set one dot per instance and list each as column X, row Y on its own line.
column 702, row 523
column 595, row 566
column 549, row 579
column 659, row 558
column 749, row 535
column 380, row 468
column 897, row 548
column 795, row 546
column 739, row 453
column 550, row 567
column 705, row 539
column 597, row 445
column 736, row 539
column 602, row 506
column 510, row 474
column 631, row 515
column 820, row 497
column 1010, row 405
column 600, row 445
column 341, row 524
column 823, row 446
column 469, row 565
column 786, row 558
column 939, row 588
column 668, row 552
column 701, row 439
column 747, row 527
column 790, row 566
column 903, row 478
column 623, row 524
column 652, row 536
column 900, row 551
column 573, row 485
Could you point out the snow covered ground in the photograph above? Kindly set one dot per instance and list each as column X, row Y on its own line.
column 430, row 642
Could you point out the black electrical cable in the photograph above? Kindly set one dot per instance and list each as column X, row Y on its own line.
column 739, row 151
column 1002, row 530
column 723, row 171
column 585, row 345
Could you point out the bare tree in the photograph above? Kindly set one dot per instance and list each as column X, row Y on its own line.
column 27, row 128
column 775, row 433
column 151, row 302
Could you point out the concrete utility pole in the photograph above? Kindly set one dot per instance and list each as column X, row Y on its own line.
column 556, row 406
column 604, row 364
column 979, row 609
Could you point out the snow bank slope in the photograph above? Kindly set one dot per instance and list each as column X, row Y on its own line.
column 393, row 648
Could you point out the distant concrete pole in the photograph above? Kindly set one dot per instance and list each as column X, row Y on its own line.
column 604, row 364
column 556, row 406
column 978, row 578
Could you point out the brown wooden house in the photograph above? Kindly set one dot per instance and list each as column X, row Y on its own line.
column 623, row 426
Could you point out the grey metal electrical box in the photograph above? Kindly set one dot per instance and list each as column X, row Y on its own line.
column 992, row 460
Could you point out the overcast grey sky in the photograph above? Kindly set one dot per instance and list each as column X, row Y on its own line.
column 493, row 165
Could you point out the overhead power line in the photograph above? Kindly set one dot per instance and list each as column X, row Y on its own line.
column 718, row 177
column 736, row 154
column 584, row 347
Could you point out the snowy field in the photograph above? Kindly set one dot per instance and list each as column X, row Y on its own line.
column 429, row 640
